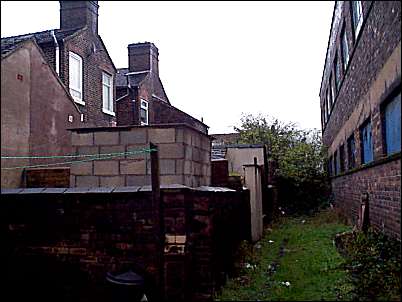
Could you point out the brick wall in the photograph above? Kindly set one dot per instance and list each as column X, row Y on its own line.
column 184, row 156
column 382, row 183
column 63, row 241
column 372, row 75
column 219, row 173
column 95, row 60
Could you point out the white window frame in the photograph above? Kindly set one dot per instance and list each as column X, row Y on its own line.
column 144, row 105
column 107, row 105
column 73, row 56
column 358, row 16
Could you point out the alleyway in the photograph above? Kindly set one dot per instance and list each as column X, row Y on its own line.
column 295, row 260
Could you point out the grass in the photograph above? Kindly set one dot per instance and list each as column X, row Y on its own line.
column 295, row 260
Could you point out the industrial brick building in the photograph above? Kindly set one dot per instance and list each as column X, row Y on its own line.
column 360, row 98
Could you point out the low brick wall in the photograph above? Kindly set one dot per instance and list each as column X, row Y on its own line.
column 184, row 156
column 383, row 184
column 63, row 241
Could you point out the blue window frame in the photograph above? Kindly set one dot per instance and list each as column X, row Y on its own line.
column 351, row 152
column 366, row 142
column 341, row 158
column 392, row 125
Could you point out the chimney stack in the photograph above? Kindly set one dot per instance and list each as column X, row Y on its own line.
column 77, row 14
column 143, row 57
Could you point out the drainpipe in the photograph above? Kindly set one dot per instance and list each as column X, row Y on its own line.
column 57, row 53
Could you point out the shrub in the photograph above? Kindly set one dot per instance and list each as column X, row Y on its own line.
column 374, row 261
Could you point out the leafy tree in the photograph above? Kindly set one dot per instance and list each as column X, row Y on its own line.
column 299, row 155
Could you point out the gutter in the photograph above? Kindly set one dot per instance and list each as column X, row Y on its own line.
column 57, row 52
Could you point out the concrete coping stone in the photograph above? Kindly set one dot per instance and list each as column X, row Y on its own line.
column 32, row 191
column 128, row 189
column 145, row 189
column 174, row 186
column 77, row 190
column 214, row 189
column 101, row 190
column 11, row 191
column 54, row 190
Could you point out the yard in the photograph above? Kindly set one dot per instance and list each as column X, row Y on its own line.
column 296, row 260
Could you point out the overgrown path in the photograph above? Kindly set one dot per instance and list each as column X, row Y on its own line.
column 295, row 260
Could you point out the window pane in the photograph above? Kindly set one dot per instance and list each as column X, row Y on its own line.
column 393, row 125
column 337, row 74
column 367, row 144
column 144, row 116
column 342, row 158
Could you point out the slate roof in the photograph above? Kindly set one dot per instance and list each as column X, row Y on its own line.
column 134, row 79
column 10, row 43
column 121, row 79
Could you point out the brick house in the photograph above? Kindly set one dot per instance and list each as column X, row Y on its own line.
column 78, row 55
column 360, row 98
column 140, row 96
column 36, row 110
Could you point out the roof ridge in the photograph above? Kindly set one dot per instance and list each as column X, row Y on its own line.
column 28, row 34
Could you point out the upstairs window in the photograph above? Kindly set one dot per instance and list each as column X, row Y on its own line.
column 107, row 93
column 392, row 125
column 357, row 14
column 75, row 77
column 366, row 142
column 351, row 152
column 337, row 73
column 342, row 158
column 345, row 49
column 144, row 112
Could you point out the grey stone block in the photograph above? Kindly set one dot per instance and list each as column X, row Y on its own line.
column 171, row 151
column 138, row 180
column 135, row 166
column 134, row 136
column 167, row 166
column 83, row 168
column 82, row 139
column 162, row 135
column 87, row 181
column 106, row 138
column 111, row 181
column 172, row 179
column 106, row 167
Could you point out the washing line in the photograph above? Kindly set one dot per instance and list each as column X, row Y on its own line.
column 80, row 155
column 73, row 162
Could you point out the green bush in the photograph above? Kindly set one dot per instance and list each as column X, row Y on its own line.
column 374, row 262
column 300, row 157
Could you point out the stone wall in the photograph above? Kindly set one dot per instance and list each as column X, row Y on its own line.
column 63, row 241
column 184, row 156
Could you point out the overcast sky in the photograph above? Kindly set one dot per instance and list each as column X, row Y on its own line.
column 217, row 60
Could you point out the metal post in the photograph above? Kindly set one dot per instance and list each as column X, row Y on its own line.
column 157, row 205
